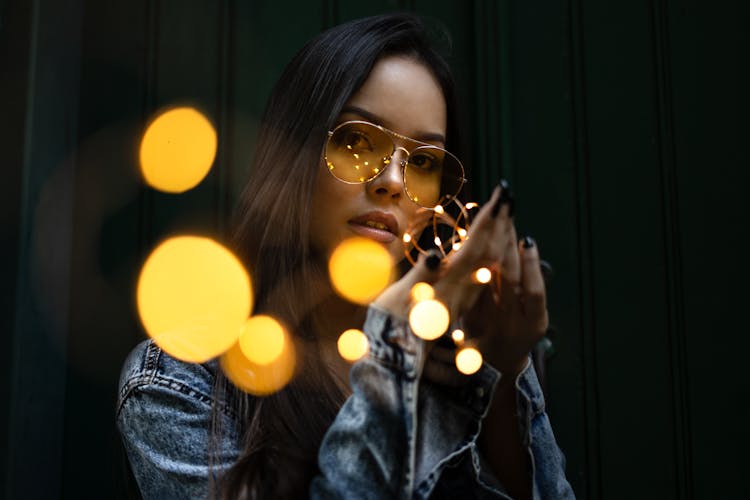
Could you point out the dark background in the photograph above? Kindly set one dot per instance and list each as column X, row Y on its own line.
column 620, row 125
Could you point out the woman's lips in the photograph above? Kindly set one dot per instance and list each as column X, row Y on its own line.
column 380, row 235
column 377, row 225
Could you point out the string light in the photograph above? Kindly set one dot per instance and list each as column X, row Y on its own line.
column 262, row 339
column 193, row 297
column 422, row 291
column 429, row 319
column 437, row 216
column 352, row 344
column 360, row 269
column 255, row 378
column 483, row 275
column 177, row 150
column 458, row 336
column 468, row 360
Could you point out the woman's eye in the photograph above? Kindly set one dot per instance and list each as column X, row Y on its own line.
column 357, row 141
column 423, row 162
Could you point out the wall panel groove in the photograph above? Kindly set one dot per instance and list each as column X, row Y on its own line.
column 584, row 240
column 676, row 333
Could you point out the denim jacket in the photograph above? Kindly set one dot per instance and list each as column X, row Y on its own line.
column 393, row 438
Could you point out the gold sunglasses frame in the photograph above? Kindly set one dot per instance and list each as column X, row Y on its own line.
column 462, row 179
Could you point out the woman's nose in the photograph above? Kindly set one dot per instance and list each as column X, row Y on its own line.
column 391, row 181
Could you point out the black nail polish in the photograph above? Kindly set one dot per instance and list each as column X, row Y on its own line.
column 507, row 197
column 433, row 260
column 528, row 242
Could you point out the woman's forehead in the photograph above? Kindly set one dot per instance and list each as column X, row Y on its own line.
column 401, row 94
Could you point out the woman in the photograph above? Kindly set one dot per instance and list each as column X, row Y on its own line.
column 408, row 425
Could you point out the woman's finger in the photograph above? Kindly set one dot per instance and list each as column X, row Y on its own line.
column 510, row 273
column 397, row 297
column 472, row 250
column 534, row 294
column 486, row 241
column 511, row 264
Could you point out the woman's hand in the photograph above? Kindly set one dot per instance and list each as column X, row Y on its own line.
column 510, row 316
column 451, row 278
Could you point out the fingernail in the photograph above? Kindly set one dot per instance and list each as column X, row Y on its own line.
column 433, row 260
column 527, row 242
column 503, row 186
column 507, row 197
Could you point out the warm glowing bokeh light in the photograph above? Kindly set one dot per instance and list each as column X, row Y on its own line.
column 177, row 150
column 262, row 339
column 422, row 291
column 483, row 275
column 259, row 379
column 360, row 269
column 458, row 336
column 462, row 232
column 439, row 209
column 468, row 360
column 352, row 344
column 193, row 296
column 429, row 319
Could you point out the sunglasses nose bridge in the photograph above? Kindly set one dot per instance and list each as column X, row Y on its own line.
column 405, row 155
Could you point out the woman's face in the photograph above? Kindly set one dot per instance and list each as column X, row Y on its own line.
column 401, row 95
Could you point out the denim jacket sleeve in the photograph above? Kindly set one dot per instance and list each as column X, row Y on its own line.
column 395, row 439
column 164, row 417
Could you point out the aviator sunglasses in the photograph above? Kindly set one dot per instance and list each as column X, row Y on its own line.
column 359, row 151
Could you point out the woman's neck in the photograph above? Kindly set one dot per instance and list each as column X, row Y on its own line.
column 334, row 315
column 331, row 318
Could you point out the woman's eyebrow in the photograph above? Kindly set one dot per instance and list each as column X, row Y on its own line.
column 371, row 117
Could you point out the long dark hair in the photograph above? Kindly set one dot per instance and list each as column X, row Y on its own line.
column 281, row 433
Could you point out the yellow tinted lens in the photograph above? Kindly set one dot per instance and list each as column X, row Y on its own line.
column 432, row 175
column 357, row 152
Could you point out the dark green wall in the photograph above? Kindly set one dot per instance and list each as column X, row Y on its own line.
column 619, row 125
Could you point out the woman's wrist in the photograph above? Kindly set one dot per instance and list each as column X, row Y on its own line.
column 510, row 369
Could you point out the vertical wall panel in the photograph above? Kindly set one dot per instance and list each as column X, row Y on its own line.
column 15, row 48
column 184, row 70
column 42, row 294
column 711, row 106
column 548, row 172
column 106, row 246
column 628, row 285
column 673, row 275
column 265, row 39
